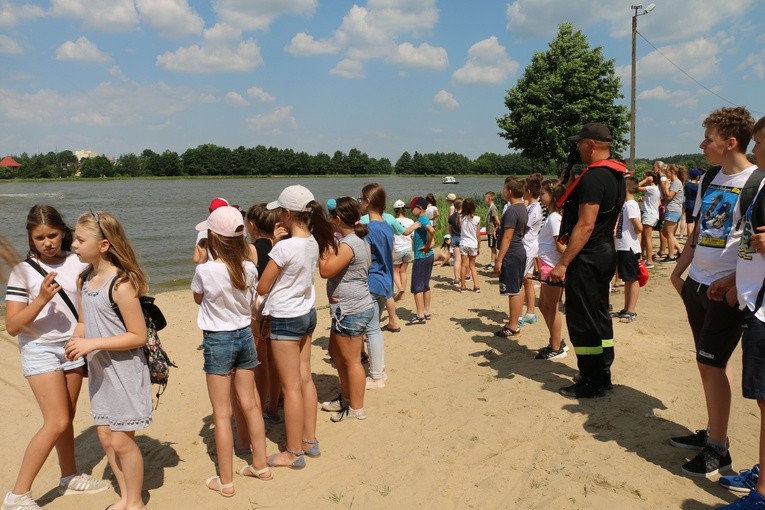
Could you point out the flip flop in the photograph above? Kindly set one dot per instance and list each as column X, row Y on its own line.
column 392, row 330
column 220, row 487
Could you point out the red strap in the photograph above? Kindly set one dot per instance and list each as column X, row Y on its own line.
column 612, row 164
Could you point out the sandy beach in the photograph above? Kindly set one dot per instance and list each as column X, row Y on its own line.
column 466, row 420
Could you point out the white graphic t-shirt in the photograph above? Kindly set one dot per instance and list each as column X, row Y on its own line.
column 717, row 246
column 750, row 271
column 626, row 238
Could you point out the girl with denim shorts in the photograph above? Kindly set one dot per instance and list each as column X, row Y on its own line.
column 350, row 304
column 288, row 282
column 37, row 313
column 224, row 289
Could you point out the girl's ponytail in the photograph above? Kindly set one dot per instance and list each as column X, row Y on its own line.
column 347, row 209
column 321, row 229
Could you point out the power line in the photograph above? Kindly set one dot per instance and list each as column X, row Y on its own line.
column 697, row 82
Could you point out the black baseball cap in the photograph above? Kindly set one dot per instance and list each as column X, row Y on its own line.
column 593, row 131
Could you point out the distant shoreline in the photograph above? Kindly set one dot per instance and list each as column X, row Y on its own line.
column 208, row 177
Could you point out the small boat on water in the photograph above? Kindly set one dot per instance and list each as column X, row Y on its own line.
column 449, row 179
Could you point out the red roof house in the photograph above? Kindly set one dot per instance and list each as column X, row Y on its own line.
column 9, row 162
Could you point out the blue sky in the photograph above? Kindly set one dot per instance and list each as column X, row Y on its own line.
column 383, row 76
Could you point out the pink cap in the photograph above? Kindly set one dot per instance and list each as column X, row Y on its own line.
column 225, row 221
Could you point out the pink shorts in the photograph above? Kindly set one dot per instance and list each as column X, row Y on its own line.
column 544, row 270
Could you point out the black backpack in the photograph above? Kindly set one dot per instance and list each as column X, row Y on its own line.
column 747, row 196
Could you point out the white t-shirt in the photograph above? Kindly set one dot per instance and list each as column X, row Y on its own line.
column 402, row 243
column 55, row 322
column 548, row 252
column 750, row 271
column 469, row 231
column 531, row 237
column 293, row 294
column 223, row 307
column 626, row 237
column 650, row 206
column 717, row 246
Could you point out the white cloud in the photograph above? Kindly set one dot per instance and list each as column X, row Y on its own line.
column 107, row 104
column 116, row 72
column 9, row 47
column 424, row 56
column 171, row 18
column 348, row 68
column 259, row 14
column 754, row 63
column 670, row 21
column 676, row 98
column 372, row 32
column 273, row 121
column 487, row 64
column 223, row 51
column 260, row 95
column 445, row 100
column 436, row 130
column 81, row 49
column 700, row 58
column 303, row 44
column 106, row 15
column 11, row 14
column 234, row 99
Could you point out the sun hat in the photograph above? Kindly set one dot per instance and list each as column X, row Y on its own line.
column 217, row 202
column 398, row 204
column 451, row 197
column 293, row 198
column 447, row 236
column 418, row 202
column 593, row 131
column 225, row 221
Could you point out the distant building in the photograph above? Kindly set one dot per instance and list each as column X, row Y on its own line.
column 9, row 162
column 82, row 154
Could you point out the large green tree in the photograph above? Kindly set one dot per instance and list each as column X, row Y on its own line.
column 564, row 87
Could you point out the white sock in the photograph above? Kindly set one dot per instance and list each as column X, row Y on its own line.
column 11, row 498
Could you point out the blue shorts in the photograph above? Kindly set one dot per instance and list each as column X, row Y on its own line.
column 40, row 358
column 421, row 271
column 226, row 351
column 352, row 324
column 672, row 216
column 293, row 328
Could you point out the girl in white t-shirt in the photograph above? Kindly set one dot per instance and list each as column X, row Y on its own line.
column 288, row 281
column 402, row 251
column 650, row 214
column 431, row 211
column 550, row 251
column 224, row 289
column 470, row 242
column 44, row 322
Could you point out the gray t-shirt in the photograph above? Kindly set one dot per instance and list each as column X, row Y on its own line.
column 348, row 290
column 676, row 204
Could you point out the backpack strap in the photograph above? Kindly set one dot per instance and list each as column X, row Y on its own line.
column 749, row 192
column 37, row 267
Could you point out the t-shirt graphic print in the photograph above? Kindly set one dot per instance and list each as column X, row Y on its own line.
column 717, row 209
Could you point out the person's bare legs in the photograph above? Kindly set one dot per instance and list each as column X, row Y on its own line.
column 308, row 389
column 549, row 296
column 669, row 232
column 515, row 305
column 390, row 306
column 530, row 295
column 223, row 402
column 126, row 461
column 717, row 392
column 646, row 242
column 473, row 271
column 631, row 292
column 426, row 303
column 457, row 265
column 286, row 354
column 353, row 377
column 249, row 402
column 761, row 457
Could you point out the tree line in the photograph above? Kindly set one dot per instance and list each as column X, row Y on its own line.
column 211, row 160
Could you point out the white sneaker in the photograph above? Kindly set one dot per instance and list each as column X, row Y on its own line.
column 346, row 413
column 83, row 484
column 333, row 405
column 375, row 383
column 23, row 502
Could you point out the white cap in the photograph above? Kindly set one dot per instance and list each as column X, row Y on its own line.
column 398, row 204
column 293, row 198
column 226, row 221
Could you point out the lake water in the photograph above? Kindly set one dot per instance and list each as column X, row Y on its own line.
column 160, row 215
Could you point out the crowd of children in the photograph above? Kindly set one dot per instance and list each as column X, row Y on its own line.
column 74, row 305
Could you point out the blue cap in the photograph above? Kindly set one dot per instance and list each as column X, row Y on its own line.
column 331, row 204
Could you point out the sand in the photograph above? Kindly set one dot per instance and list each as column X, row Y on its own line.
column 466, row 420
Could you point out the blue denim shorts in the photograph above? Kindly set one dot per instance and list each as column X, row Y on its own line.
column 40, row 358
column 672, row 216
column 226, row 351
column 352, row 324
column 293, row 328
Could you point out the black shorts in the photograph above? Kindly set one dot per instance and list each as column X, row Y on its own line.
column 715, row 325
column 511, row 276
column 491, row 240
column 753, row 345
column 627, row 265
column 689, row 216
column 421, row 271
